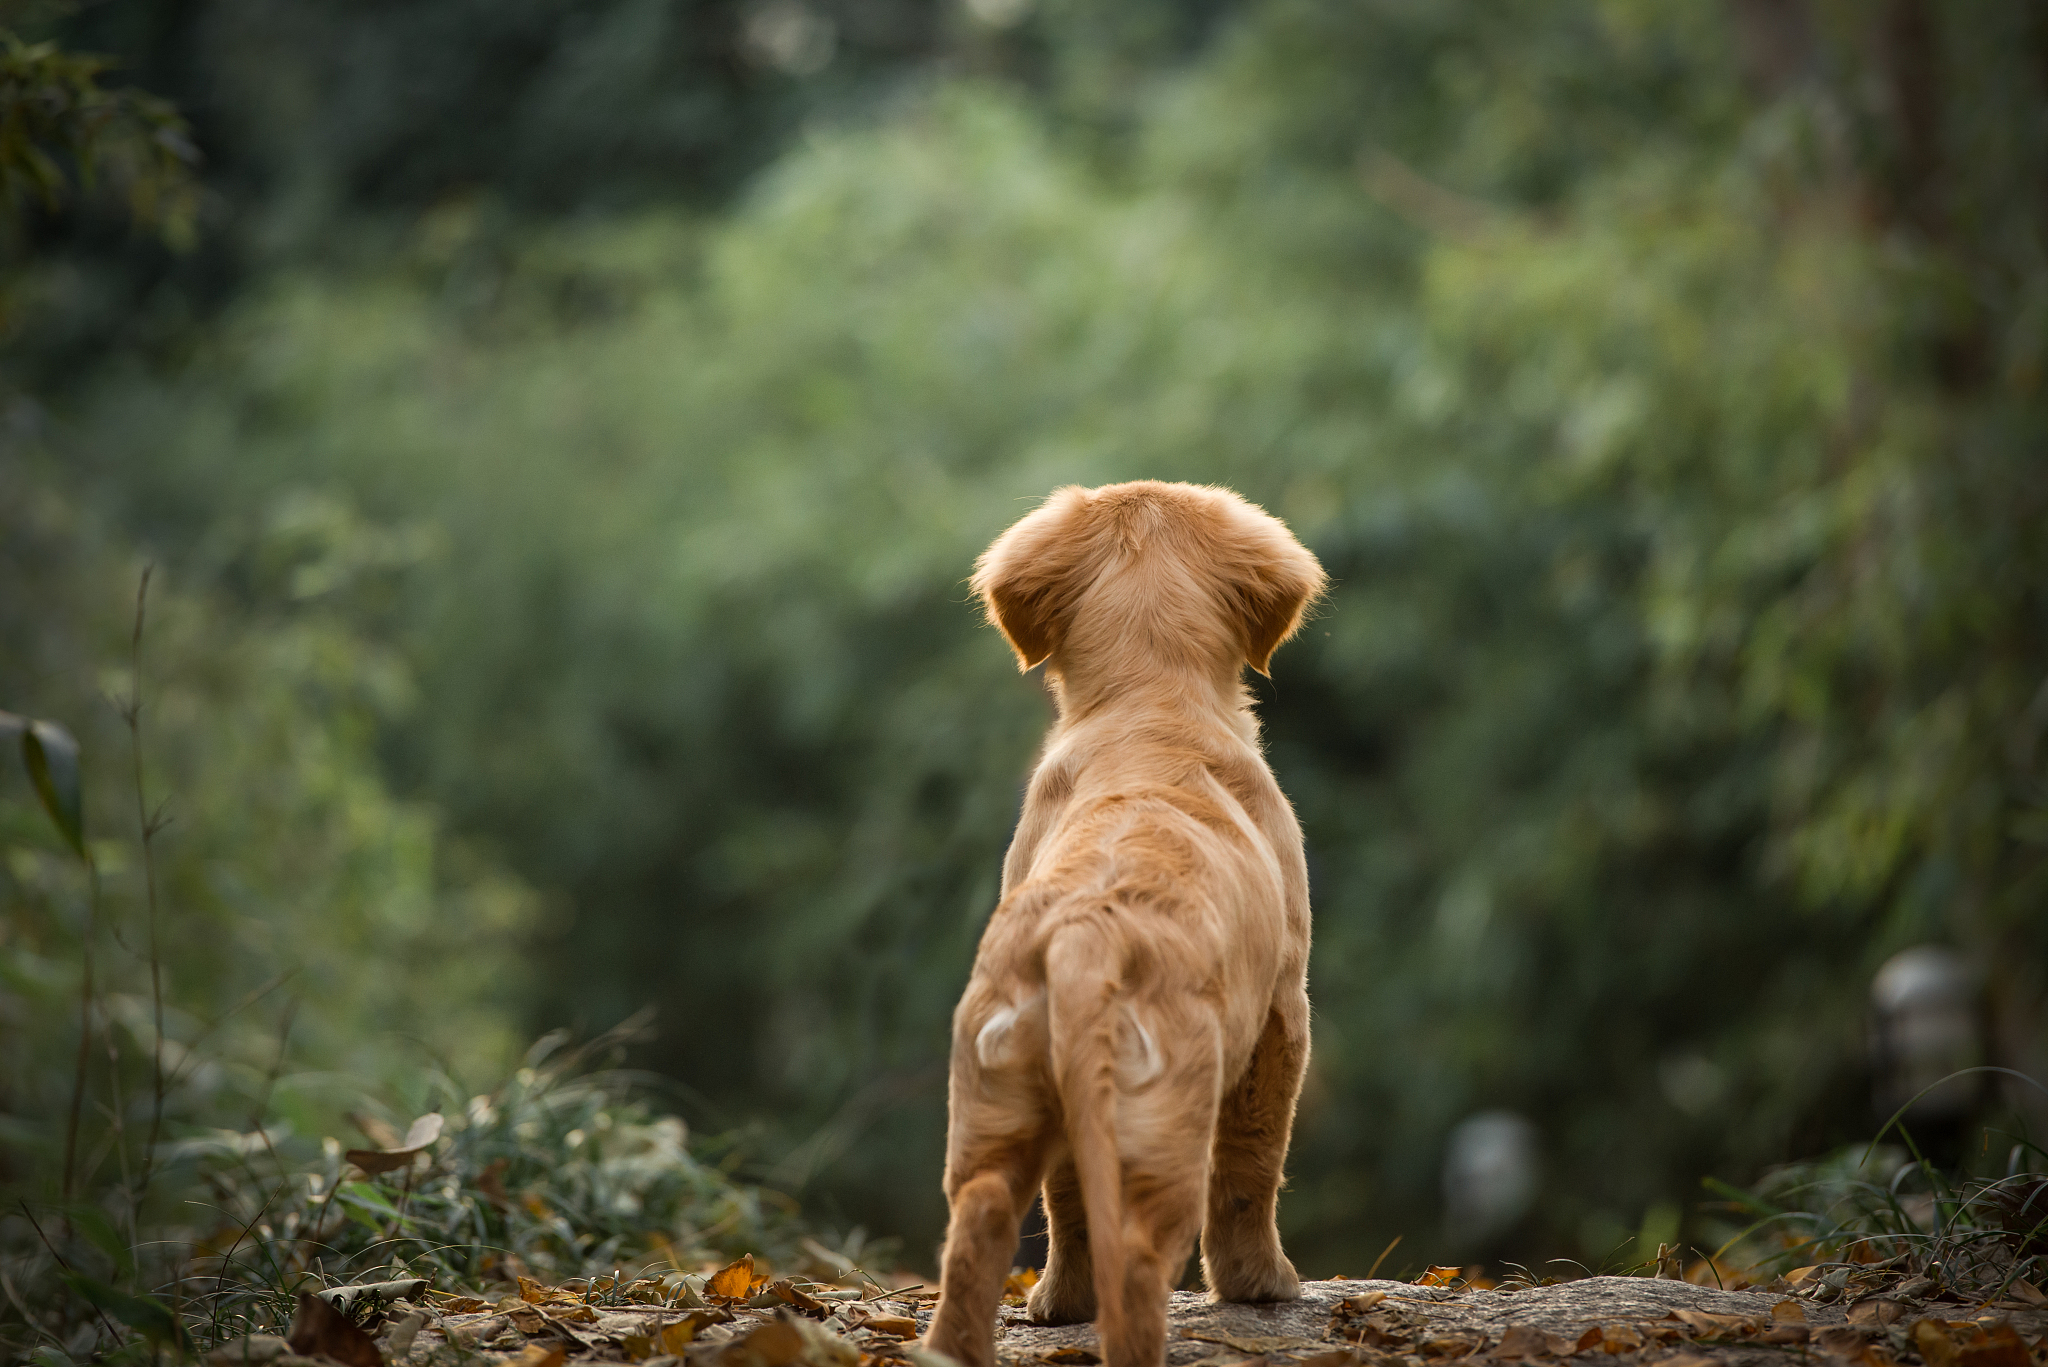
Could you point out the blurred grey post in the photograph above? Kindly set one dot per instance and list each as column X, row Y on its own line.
column 1490, row 1175
column 1926, row 1026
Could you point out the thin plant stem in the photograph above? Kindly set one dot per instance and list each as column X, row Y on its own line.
column 85, row 985
column 105, row 1323
column 150, row 825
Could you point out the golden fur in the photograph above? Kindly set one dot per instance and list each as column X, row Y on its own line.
column 1135, row 1029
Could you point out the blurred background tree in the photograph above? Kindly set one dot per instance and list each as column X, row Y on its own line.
column 572, row 424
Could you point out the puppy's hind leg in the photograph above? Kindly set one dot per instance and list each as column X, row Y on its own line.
column 988, row 1206
column 1241, row 1255
column 1066, row 1294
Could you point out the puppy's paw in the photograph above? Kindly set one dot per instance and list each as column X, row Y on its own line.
column 1061, row 1300
column 1253, row 1280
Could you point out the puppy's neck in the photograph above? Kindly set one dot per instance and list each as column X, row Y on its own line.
column 1214, row 692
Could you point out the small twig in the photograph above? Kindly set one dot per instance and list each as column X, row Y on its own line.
column 1383, row 1257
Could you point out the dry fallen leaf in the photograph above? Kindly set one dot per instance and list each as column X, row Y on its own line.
column 417, row 1141
column 1449, row 1346
column 535, row 1355
column 1879, row 1312
column 1522, row 1341
column 788, row 1293
column 1841, row 1341
column 1620, row 1338
column 2024, row 1290
column 1018, row 1285
column 1789, row 1312
column 735, row 1281
column 1360, row 1304
column 319, row 1330
column 1687, row 1360
column 1996, row 1345
column 1592, row 1338
column 677, row 1336
column 1439, row 1276
column 1707, row 1325
column 1934, row 1343
column 1336, row 1357
column 902, row 1326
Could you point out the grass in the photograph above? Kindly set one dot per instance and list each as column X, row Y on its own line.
column 1882, row 1211
column 563, row 1171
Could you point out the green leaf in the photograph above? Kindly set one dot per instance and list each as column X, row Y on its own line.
column 52, row 758
column 152, row 1319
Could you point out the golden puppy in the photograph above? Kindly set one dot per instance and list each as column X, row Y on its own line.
column 1134, row 1032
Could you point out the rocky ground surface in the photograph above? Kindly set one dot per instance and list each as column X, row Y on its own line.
column 1596, row 1322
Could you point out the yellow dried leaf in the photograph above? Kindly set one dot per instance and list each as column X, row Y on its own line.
column 733, row 1282
column 1439, row 1276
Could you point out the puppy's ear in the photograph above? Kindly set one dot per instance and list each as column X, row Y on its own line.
column 1029, row 580
column 1280, row 578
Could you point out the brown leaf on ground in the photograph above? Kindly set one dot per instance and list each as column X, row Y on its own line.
column 1788, row 1312
column 787, row 1342
column 902, row 1326
column 1336, row 1357
column 1592, row 1338
column 1840, row 1340
column 736, row 1281
column 1072, row 1357
column 449, row 1304
column 787, row 1292
column 537, row 1355
column 2024, row 1290
column 1439, row 1276
column 1687, row 1360
column 417, row 1141
column 1522, row 1341
column 1934, row 1343
column 1787, row 1333
column 1879, row 1312
column 1996, row 1345
column 1711, row 1326
column 1018, row 1285
column 675, row 1337
column 319, row 1330
column 1450, row 1346
column 1620, row 1338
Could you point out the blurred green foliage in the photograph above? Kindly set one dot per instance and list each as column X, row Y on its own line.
column 1660, row 383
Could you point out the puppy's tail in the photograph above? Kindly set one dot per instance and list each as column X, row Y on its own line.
column 1083, row 974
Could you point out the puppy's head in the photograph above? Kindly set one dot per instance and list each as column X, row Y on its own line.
column 1180, row 568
